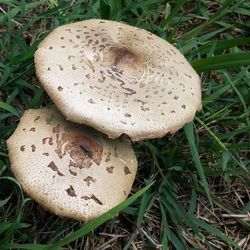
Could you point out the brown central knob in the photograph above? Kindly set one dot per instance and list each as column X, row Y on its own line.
column 125, row 59
column 123, row 56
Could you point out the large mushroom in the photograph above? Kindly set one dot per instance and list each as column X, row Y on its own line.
column 118, row 79
column 74, row 171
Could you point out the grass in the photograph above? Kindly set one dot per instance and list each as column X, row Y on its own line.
column 200, row 195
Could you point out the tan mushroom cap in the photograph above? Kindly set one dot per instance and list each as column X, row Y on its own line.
column 72, row 171
column 118, row 79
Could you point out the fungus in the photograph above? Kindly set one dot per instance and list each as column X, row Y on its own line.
column 118, row 79
column 115, row 78
column 63, row 166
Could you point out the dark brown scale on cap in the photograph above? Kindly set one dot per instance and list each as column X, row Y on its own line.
column 70, row 191
column 89, row 180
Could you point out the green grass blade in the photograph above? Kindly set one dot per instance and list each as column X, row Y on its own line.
column 165, row 228
column 219, row 142
column 238, row 93
column 17, row 224
column 223, row 44
column 176, row 241
column 36, row 101
column 212, row 97
column 115, row 9
column 246, row 209
column 243, row 11
column 104, row 9
column 221, row 12
column 97, row 222
column 23, row 246
column 222, row 62
column 215, row 232
column 8, row 2
column 9, row 15
column 146, row 197
column 9, row 108
column 188, row 128
column 173, row 13
column 5, row 201
column 193, row 203
column 5, row 75
column 225, row 157
column 14, row 181
column 169, row 197
column 4, row 226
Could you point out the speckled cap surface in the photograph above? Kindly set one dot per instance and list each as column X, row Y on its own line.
column 73, row 171
column 118, row 79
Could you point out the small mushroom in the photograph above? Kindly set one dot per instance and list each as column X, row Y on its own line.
column 118, row 79
column 73, row 171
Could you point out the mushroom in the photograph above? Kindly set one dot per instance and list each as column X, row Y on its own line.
column 73, row 171
column 118, row 79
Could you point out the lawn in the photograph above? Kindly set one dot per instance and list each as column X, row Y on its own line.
column 192, row 188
